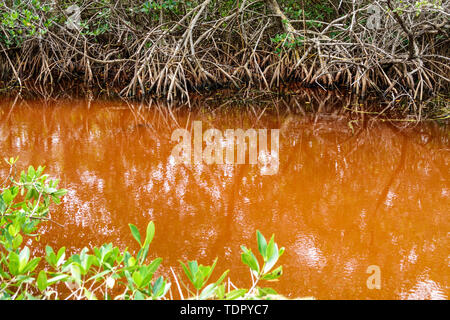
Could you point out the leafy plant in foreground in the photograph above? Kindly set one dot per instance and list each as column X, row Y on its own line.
column 198, row 275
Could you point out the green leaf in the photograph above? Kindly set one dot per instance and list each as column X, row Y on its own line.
column 266, row 291
column 31, row 265
column 12, row 230
column 131, row 262
column 76, row 272
column 208, row 292
column 149, row 234
column 222, row 277
column 50, row 256
column 87, row 262
column 280, row 252
column 235, row 294
column 147, row 276
column 208, row 270
column 60, row 256
column 143, row 253
column 135, row 233
column 272, row 255
column 137, row 278
column 262, row 244
column 17, row 241
column 3, row 205
column 193, row 267
column 158, row 286
column 249, row 259
column 154, row 265
column 31, row 172
column 42, row 281
column 187, row 272
column 60, row 192
column 275, row 274
column 139, row 296
column 99, row 275
column 24, row 256
column 220, row 291
column 13, row 264
column 7, row 196
column 55, row 199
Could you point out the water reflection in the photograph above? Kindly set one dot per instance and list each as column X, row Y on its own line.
column 343, row 199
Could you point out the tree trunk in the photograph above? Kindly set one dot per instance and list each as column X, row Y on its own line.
column 275, row 8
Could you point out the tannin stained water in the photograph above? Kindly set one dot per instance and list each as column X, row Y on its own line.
column 345, row 196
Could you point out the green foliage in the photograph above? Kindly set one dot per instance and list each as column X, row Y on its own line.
column 313, row 10
column 284, row 41
column 270, row 254
column 154, row 10
column 198, row 275
column 24, row 203
column 100, row 25
column 104, row 272
column 19, row 21
column 149, row 6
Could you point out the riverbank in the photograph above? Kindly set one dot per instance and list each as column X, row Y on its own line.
column 173, row 49
column 293, row 98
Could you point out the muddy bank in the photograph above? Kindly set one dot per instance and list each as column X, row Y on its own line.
column 174, row 49
column 291, row 98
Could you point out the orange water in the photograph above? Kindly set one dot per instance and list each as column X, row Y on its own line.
column 342, row 200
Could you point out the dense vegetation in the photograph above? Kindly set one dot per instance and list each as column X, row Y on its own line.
column 105, row 272
column 396, row 48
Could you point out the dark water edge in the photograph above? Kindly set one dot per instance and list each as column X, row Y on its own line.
column 291, row 95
